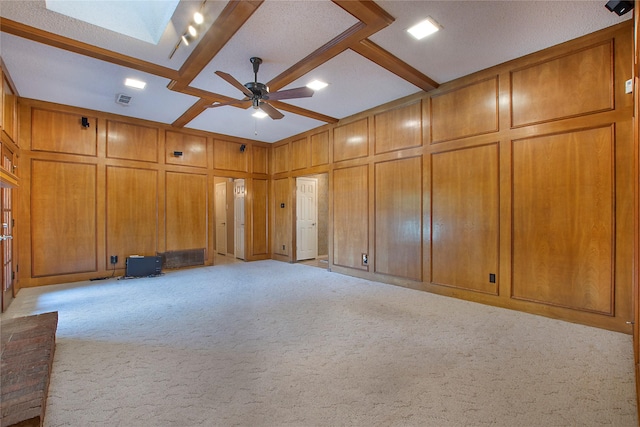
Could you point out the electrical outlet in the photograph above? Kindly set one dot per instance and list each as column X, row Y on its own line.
column 365, row 259
column 114, row 259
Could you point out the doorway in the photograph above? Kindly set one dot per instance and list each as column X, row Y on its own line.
column 238, row 201
column 312, row 219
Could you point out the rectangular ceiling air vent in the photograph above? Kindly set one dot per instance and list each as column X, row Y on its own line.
column 123, row 99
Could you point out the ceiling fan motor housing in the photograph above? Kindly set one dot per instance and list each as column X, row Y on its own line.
column 259, row 90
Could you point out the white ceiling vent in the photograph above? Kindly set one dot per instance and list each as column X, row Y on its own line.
column 123, row 99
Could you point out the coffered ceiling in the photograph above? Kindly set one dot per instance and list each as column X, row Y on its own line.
column 360, row 48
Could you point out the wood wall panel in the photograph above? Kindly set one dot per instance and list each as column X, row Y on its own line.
column 350, row 216
column 186, row 211
column 282, row 216
column 8, row 115
column 320, row 149
column 398, row 218
column 351, row 141
column 62, row 133
column 63, row 218
column 260, row 217
column 193, row 148
column 300, row 154
column 465, row 218
column 466, row 111
column 281, row 158
column 132, row 212
column 563, row 219
column 578, row 83
column 227, row 156
column 399, row 128
column 133, row 142
column 260, row 157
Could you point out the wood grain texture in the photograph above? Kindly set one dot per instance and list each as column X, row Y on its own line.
column 466, row 111
column 133, row 142
column 282, row 217
column 227, row 156
column 75, row 46
column 465, row 218
column 62, row 133
column 193, row 148
column 63, row 223
column 186, row 211
column 351, row 141
column 260, row 218
column 281, row 158
column 350, row 216
column 260, row 159
column 300, row 154
column 132, row 213
column 398, row 218
column 320, row 148
column 385, row 59
column 9, row 115
column 563, row 219
column 399, row 128
column 574, row 84
column 228, row 22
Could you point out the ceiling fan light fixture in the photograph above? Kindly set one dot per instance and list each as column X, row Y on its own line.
column 424, row 28
column 317, row 85
column 259, row 114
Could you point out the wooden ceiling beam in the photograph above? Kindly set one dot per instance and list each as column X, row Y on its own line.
column 230, row 20
column 321, row 55
column 385, row 59
column 194, row 111
column 366, row 11
column 50, row 39
column 303, row 112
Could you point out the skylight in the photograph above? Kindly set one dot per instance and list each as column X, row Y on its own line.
column 140, row 19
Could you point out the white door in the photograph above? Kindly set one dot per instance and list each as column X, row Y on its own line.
column 306, row 218
column 238, row 197
column 221, row 217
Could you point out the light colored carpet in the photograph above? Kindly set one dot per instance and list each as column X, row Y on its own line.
column 274, row 344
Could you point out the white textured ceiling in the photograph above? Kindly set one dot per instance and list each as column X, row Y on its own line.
column 475, row 35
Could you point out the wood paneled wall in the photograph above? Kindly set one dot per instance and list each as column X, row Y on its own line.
column 120, row 187
column 507, row 187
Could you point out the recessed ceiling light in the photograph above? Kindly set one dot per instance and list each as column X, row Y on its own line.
column 259, row 114
column 424, row 28
column 135, row 83
column 192, row 31
column 198, row 18
column 317, row 85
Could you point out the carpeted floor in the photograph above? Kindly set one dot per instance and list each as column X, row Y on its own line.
column 275, row 344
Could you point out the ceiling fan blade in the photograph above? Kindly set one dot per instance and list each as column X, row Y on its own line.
column 232, row 81
column 271, row 112
column 299, row 92
column 236, row 102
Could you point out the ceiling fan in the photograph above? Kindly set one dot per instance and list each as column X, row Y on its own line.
column 258, row 93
